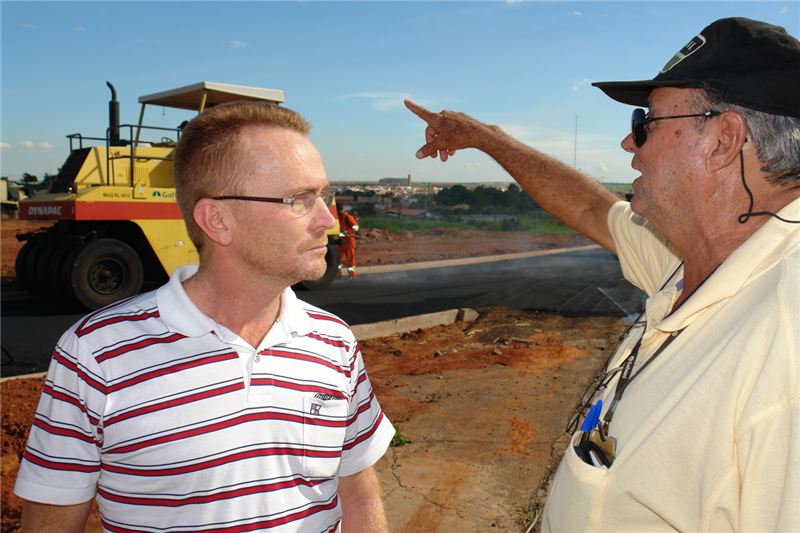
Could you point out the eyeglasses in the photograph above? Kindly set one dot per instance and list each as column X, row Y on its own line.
column 640, row 120
column 601, row 380
column 302, row 202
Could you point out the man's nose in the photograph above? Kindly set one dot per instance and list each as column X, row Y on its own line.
column 628, row 144
column 323, row 215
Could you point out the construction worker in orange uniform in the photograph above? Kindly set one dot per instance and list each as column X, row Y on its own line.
column 348, row 226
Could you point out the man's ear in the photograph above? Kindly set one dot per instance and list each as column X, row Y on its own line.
column 215, row 220
column 731, row 130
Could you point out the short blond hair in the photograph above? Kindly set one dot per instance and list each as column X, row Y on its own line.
column 209, row 160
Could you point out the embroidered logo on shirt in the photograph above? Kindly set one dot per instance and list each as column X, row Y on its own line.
column 324, row 397
column 315, row 408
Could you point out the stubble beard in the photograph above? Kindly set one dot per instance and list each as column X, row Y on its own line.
column 314, row 270
column 306, row 267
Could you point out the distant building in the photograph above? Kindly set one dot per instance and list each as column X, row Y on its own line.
column 396, row 181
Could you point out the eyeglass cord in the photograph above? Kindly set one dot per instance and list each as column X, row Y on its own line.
column 743, row 218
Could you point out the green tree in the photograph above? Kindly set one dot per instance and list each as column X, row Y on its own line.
column 457, row 194
column 366, row 210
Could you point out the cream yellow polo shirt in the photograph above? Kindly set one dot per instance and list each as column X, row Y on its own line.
column 709, row 434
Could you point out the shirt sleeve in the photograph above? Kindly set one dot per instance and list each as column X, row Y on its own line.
column 645, row 254
column 769, row 462
column 61, row 464
column 369, row 432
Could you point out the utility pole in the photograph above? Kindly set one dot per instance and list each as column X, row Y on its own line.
column 575, row 152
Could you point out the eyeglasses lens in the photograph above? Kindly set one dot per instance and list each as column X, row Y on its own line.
column 327, row 197
column 639, row 127
column 303, row 202
column 578, row 413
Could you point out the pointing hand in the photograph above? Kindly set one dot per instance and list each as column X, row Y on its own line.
column 447, row 132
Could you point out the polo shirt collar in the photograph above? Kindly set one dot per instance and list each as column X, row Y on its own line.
column 182, row 316
column 767, row 246
column 178, row 310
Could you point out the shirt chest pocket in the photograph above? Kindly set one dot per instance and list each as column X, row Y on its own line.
column 324, row 429
column 577, row 494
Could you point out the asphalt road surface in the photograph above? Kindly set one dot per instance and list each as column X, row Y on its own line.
column 578, row 283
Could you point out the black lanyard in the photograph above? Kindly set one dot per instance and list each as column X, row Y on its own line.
column 627, row 374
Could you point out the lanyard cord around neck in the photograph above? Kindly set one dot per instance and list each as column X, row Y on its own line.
column 627, row 374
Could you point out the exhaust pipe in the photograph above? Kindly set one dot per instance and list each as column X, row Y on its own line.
column 113, row 117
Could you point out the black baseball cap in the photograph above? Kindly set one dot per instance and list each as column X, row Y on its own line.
column 748, row 63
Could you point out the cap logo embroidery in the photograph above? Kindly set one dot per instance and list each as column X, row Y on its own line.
column 691, row 47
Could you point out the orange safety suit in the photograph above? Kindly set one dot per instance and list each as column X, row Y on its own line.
column 348, row 226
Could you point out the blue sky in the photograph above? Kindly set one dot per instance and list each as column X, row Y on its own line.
column 347, row 66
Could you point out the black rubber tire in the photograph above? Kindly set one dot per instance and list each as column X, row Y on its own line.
column 42, row 286
column 332, row 262
column 66, row 275
column 19, row 265
column 103, row 271
column 30, row 268
column 61, row 292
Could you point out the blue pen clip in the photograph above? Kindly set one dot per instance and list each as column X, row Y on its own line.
column 592, row 417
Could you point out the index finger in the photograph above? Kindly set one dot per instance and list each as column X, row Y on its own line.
column 420, row 111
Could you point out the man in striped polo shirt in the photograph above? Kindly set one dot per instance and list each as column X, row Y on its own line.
column 219, row 402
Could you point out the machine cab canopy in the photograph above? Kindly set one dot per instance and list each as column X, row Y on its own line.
column 205, row 94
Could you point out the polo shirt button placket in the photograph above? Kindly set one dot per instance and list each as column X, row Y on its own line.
column 258, row 357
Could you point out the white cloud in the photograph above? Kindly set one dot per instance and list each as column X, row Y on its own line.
column 577, row 13
column 577, row 85
column 29, row 145
column 239, row 44
column 5, row 145
column 79, row 29
column 381, row 101
column 784, row 10
column 29, row 26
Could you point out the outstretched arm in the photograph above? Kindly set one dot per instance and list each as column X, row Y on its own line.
column 574, row 198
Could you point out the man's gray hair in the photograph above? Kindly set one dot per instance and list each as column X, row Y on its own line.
column 776, row 137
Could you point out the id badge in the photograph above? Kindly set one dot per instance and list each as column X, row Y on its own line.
column 604, row 447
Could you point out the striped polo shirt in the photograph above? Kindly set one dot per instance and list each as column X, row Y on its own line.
column 148, row 405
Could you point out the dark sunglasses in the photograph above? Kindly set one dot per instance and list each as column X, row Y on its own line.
column 640, row 120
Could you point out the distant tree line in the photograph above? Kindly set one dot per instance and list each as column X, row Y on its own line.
column 485, row 200
column 31, row 183
column 459, row 200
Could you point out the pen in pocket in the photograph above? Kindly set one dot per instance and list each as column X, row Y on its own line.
column 588, row 424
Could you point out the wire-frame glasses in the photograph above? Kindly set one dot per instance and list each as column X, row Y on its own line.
column 302, row 202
